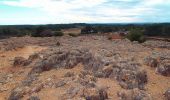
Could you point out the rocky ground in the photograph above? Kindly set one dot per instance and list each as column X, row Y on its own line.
column 83, row 68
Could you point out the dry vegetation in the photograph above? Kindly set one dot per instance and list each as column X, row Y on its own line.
column 83, row 68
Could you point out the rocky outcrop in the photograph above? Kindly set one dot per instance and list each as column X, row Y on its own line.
column 161, row 64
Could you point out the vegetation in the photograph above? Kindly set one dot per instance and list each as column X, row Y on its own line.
column 136, row 35
column 162, row 29
column 88, row 30
column 58, row 33
column 38, row 32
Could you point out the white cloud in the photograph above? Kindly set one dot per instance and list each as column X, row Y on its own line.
column 72, row 11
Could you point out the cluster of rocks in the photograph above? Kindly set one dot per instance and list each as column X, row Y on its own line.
column 157, row 44
column 161, row 63
column 127, row 72
column 21, row 61
column 103, row 59
column 134, row 94
column 59, row 59
column 11, row 44
column 84, row 87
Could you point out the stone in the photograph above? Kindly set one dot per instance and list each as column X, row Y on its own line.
column 90, row 85
column 71, row 92
column 69, row 74
column 99, row 74
column 141, row 79
column 37, row 88
column 95, row 94
column 34, row 57
column 164, row 68
column 134, row 94
column 60, row 83
column 34, row 98
column 20, row 61
column 107, row 71
column 167, row 94
column 151, row 61
column 16, row 94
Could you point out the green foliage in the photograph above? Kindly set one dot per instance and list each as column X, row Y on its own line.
column 38, row 31
column 162, row 29
column 166, row 30
column 136, row 35
column 153, row 30
column 58, row 33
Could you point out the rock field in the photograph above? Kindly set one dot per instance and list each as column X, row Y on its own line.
column 83, row 68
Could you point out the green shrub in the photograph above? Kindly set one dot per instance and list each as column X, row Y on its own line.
column 73, row 34
column 38, row 31
column 136, row 35
column 58, row 33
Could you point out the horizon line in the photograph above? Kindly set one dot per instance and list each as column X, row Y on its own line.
column 87, row 23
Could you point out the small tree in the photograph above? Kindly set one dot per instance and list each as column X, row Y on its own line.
column 38, row 31
column 88, row 30
column 136, row 35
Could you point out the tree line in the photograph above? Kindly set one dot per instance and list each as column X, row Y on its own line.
column 161, row 29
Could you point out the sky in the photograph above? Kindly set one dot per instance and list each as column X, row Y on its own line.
column 14, row 12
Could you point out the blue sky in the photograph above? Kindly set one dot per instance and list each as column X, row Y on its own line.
column 83, row 11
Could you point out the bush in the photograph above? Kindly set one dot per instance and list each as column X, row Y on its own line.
column 136, row 35
column 58, row 33
column 73, row 34
column 88, row 30
column 38, row 31
column 46, row 33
